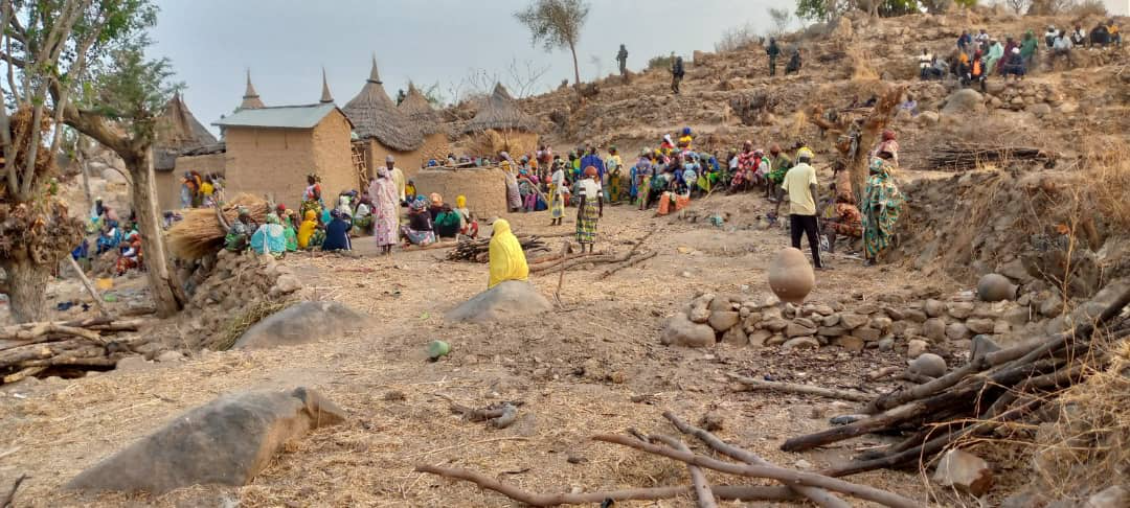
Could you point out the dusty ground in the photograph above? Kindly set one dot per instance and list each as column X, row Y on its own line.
column 577, row 369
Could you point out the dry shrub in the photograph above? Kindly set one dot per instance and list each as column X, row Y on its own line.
column 1087, row 448
column 1089, row 8
column 1106, row 182
column 861, row 64
column 738, row 37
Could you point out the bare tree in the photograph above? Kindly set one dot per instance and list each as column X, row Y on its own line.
column 556, row 24
column 1017, row 6
column 524, row 77
column 781, row 18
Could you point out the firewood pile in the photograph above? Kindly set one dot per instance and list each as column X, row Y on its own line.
column 37, row 349
column 795, row 485
column 995, row 389
column 478, row 250
column 966, row 156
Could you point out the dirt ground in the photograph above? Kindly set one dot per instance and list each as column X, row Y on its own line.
column 578, row 370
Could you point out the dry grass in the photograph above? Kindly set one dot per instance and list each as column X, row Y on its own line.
column 235, row 328
column 861, row 64
column 1107, row 182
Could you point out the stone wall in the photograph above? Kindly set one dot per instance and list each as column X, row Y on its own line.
column 436, row 146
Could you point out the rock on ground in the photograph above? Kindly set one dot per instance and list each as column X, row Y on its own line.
column 965, row 472
column 928, row 364
column 963, row 102
column 681, row 331
column 301, row 323
column 227, row 441
column 1113, row 497
column 508, row 299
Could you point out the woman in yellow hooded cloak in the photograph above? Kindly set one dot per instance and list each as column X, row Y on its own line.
column 507, row 260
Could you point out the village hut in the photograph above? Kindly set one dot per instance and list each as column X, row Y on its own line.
column 271, row 150
column 501, row 126
column 383, row 130
column 183, row 145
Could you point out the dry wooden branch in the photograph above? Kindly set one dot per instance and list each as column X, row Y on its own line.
column 30, row 333
column 832, row 393
column 770, row 472
column 740, row 493
column 629, row 263
column 6, row 501
column 702, row 492
column 818, row 496
column 89, row 287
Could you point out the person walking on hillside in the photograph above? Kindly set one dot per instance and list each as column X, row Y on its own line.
column 925, row 60
column 794, row 64
column 677, row 73
column 773, row 51
column 800, row 184
column 622, row 59
column 882, row 204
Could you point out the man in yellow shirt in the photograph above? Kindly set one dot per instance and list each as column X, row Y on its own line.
column 800, row 184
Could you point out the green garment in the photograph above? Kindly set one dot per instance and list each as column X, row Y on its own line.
column 882, row 204
column 780, row 167
column 291, row 237
column 447, row 224
column 1028, row 47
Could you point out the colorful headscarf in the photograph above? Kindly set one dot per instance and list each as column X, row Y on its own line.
column 460, row 201
column 436, row 199
column 419, row 204
column 382, row 172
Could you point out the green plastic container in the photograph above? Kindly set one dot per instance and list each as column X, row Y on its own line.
column 438, row 349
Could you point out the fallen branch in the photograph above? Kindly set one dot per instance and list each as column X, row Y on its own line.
column 31, row 333
column 702, row 492
column 770, row 472
column 89, row 287
column 818, row 496
column 629, row 263
column 739, row 493
column 6, row 501
column 832, row 393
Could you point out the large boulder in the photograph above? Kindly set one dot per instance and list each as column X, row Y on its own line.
column 508, row 299
column 227, row 441
column 963, row 102
column 300, row 324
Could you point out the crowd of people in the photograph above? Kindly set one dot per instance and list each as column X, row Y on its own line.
column 978, row 56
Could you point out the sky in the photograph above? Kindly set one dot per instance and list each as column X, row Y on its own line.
column 286, row 43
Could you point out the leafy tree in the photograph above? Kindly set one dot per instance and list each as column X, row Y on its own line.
column 822, row 10
column 121, row 94
column 556, row 24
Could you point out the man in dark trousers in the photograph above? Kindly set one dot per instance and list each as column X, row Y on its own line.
column 800, row 184
column 773, row 51
column 677, row 73
column 622, row 59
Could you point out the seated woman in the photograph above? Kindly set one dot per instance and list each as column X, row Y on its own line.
column 436, row 205
column 337, row 232
column 308, row 232
column 130, row 254
column 271, row 238
column 109, row 239
column 468, row 226
column 507, row 259
column 448, row 223
column 419, row 230
column 363, row 219
column 290, row 232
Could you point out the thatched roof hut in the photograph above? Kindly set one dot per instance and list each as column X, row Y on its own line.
column 178, row 131
column 419, row 111
column 374, row 115
column 250, row 96
column 500, row 112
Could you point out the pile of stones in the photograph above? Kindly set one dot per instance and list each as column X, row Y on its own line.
column 919, row 323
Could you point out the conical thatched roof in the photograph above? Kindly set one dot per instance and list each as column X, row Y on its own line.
column 327, row 98
column 500, row 112
column 374, row 115
column 250, row 96
column 417, row 108
column 178, row 131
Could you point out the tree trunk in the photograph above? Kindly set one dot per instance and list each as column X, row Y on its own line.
column 26, row 288
column 167, row 294
column 576, row 67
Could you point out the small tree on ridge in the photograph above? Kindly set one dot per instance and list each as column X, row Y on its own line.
column 556, row 24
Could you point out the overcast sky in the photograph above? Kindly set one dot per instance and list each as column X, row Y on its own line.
column 285, row 43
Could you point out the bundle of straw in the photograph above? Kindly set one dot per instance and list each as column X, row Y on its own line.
column 200, row 234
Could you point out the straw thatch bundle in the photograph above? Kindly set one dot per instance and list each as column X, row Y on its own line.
column 374, row 115
column 201, row 234
column 420, row 112
column 500, row 112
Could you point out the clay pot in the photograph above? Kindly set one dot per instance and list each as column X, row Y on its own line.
column 995, row 287
column 790, row 276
